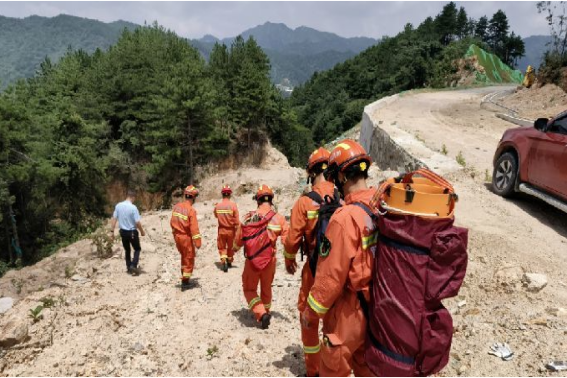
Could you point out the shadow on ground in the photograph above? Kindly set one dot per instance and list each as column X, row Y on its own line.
column 540, row 210
column 193, row 284
column 245, row 317
column 292, row 361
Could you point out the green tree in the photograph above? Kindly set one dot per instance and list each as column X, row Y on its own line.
column 481, row 29
column 446, row 23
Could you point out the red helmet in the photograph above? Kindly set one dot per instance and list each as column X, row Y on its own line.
column 264, row 191
column 226, row 190
column 320, row 155
column 347, row 154
column 191, row 191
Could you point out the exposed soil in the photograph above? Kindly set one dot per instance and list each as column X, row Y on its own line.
column 537, row 102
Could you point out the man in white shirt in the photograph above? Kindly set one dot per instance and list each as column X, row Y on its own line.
column 128, row 218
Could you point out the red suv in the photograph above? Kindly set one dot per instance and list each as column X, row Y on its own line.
column 533, row 160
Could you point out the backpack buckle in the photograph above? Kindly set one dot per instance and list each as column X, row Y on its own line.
column 410, row 193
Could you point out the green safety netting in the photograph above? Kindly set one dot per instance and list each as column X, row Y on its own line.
column 495, row 70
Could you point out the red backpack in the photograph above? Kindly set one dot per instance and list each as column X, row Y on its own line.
column 258, row 247
column 419, row 261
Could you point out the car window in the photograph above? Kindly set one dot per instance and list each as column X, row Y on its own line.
column 559, row 126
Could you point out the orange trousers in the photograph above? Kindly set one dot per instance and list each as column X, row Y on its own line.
column 344, row 327
column 309, row 336
column 259, row 305
column 185, row 247
column 225, row 239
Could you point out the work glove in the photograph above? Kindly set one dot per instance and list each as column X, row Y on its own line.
column 290, row 266
column 501, row 350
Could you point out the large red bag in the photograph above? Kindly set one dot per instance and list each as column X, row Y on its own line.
column 420, row 260
column 257, row 244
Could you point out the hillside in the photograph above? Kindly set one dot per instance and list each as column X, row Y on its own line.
column 26, row 42
column 295, row 54
column 535, row 46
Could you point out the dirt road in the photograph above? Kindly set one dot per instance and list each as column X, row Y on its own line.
column 108, row 323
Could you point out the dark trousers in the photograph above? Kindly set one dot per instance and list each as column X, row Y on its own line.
column 131, row 237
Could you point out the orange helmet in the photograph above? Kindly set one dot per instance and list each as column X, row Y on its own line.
column 226, row 190
column 347, row 154
column 264, row 191
column 191, row 191
column 320, row 155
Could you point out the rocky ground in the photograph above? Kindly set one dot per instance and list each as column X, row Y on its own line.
column 537, row 102
column 104, row 322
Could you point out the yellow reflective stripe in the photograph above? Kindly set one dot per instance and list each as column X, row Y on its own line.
column 198, row 236
column 289, row 256
column 186, row 275
column 316, row 306
column 369, row 241
column 312, row 214
column 311, row 349
column 274, row 227
column 254, row 302
column 267, row 306
column 344, row 146
column 224, row 256
column 179, row 215
column 224, row 212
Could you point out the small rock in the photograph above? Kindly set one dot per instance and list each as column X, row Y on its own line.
column 138, row 347
column 468, row 352
column 78, row 278
column 462, row 303
column 534, row 282
column 539, row 321
column 6, row 303
column 15, row 331
column 509, row 275
column 559, row 312
column 462, row 370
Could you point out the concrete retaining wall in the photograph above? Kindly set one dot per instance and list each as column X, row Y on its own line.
column 394, row 149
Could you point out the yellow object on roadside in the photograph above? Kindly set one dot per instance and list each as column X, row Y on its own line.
column 529, row 78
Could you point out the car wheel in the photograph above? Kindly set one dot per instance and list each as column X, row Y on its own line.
column 504, row 175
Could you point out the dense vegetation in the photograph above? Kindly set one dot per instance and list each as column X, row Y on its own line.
column 553, row 69
column 294, row 54
column 26, row 42
column 145, row 112
column 331, row 102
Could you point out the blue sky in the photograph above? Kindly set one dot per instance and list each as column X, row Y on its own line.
column 227, row 19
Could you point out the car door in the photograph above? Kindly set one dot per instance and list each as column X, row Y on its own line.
column 547, row 167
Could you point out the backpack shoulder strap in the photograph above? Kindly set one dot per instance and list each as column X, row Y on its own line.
column 268, row 217
column 366, row 209
column 315, row 196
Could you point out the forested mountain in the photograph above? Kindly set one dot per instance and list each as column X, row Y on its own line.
column 331, row 102
column 24, row 43
column 295, row 54
column 536, row 46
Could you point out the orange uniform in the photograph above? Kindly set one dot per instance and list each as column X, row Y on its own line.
column 186, row 234
column 303, row 220
column 344, row 269
column 226, row 212
column 259, row 305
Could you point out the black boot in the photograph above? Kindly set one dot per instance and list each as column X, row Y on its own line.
column 225, row 266
column 229, row 264
column 265, row 319
column 184, row 285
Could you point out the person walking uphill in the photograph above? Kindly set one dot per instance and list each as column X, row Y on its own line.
column 186, row 233
column 259, row 234
column 345, row 266
column 127, row 216
column 226, row 212
column 304, row 215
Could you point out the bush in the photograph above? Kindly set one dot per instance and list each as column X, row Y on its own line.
column 103, row 242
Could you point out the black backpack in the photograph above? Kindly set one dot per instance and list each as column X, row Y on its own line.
column 328, row 207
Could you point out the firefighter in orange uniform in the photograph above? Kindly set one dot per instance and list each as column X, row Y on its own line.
column 186, row 233
column 344, row 267
column 226, row 212
column 277, row 227
column 301, row 235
